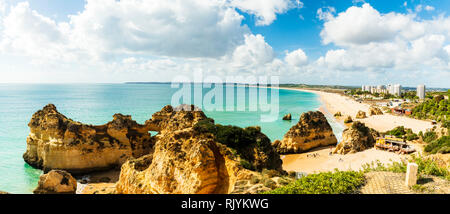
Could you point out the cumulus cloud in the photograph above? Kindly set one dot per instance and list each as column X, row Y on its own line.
column 371, row 41
column 254, row 51
column 106, row 29
column 296, row 58
column 266, row 11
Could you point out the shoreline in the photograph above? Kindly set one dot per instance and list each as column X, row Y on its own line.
column 320, row 159
column 333, row 103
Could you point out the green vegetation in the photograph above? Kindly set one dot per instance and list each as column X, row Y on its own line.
column 411, row 95
column 441, row 145
column 402, row 132
column 437, row 109
column 429, row 136
column 242, row 141
column 337, row 182
column 427, row 166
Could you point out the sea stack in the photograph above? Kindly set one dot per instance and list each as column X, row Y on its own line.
column 312, row 130
column 373, row 110
column 287, row 117
column 361, row 115
column 355, row 139
column 57, row 142
column 193, row 155
column 56, row 182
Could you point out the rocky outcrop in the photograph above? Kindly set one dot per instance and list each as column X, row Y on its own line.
column 338, row 114
column 287, row 117
column 56, row 182
column 3, row 193
column 355, row 139
column 348, row 120
column 312, row 130
column 193, row 155
column 375, row 111
column 57, row 142
column 361, row 115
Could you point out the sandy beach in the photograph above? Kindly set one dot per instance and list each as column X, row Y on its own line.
column 348, row 107
column 320, row 160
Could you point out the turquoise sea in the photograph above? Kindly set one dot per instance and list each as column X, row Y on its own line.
column 96, row 103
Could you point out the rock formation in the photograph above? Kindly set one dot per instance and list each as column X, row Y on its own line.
column 56, row 182
column 348, row 120
column 287, row 117
column 338, row 114
column 355, row 139
column 312, row 130
column 361, row 115
column 57, row 142
column 375, row 111
column 3, row 193
column 192, row 155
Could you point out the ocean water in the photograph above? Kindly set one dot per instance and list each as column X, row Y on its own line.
column 96, row 103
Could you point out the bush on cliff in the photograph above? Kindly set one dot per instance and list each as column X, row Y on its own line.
column 402, row 132
column 242, row 140
column 441, row 145
column 337, row 182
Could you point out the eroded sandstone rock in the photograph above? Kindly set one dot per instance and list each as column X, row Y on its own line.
column 348, row 120
column 57, row 142
column 375, row 111
column 287, row 117
column 56, row 182
column 192, row 155
column 356, row 138
column 312, row 130
column 361, row 115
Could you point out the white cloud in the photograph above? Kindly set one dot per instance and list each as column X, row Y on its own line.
column 267, row 10
column 419, row 8
column 429, row 8
column 361, row 25
column 375, row 42
column 255, row 51
column 326, row 13
column 296, row 58
column 188, row 28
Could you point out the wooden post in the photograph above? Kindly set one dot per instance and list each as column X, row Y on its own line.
column 411, row 174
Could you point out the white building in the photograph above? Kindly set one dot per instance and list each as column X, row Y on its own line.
column 397, row 90
column 421, row 91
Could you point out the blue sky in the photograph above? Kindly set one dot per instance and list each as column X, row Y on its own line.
column 77, row 39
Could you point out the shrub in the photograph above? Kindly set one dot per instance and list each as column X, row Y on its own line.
column 429, row 136
column 397, row 167
column 242, row 141
column 337, row 182
column 427, row 166
column 441, row 145
column 397, row 132
column 269, row 183
column 270, row 173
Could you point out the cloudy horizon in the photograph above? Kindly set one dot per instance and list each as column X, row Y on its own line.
column 352, row 42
